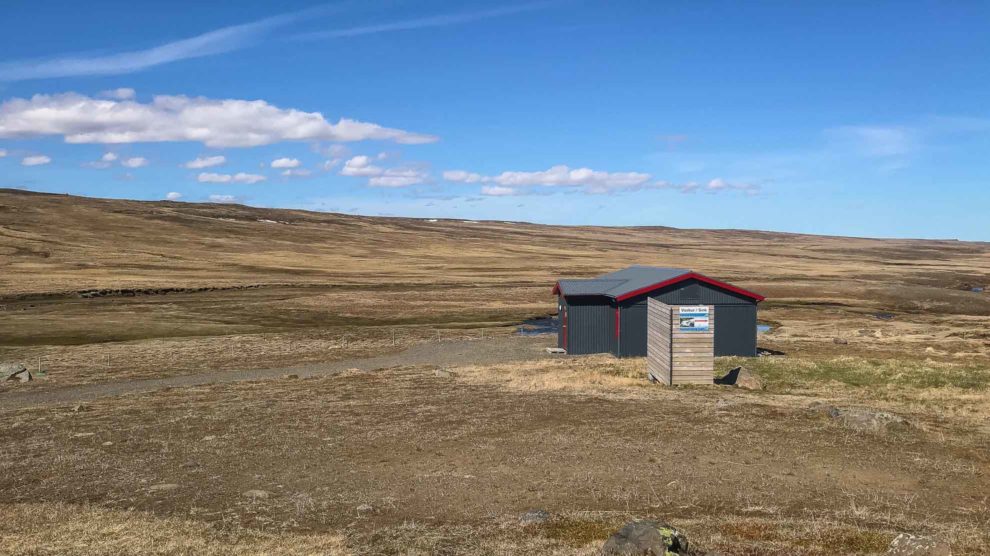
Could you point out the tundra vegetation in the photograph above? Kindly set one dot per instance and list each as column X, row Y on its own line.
column 442, row 448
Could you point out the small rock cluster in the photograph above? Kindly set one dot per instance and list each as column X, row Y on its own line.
column 863, row 420
column 907, row 544
column 646, row 538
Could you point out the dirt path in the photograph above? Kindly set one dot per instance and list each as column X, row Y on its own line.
column 466, row 352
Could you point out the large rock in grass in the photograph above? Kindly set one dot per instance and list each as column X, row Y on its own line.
column 646, row 538
column 907, row 544
column 14, row 371
column 741, row 377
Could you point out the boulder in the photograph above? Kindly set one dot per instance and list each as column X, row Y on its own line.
column 646, row 538
column 741, row 377
column 365, row 508
column 840, row 341
column 907, row 544
column 14, row 371
column 443, row 373
column 533, row 517
column 864, row 420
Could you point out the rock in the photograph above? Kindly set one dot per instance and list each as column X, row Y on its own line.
column 864, row 420
column 290, row 377
column 723, row 404
column 365, row 508
column 907, row 544
column 443, row 373
column 533, row 517
column 80, row 407
column 646, row 538
column 840, row 341
column 163, row 487
column 108, row 443
column 209, row 438
column 83, row 434
column 741, row 377
column 256, row 494
column 15, row 371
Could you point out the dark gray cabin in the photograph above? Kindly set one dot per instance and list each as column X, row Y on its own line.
column 607, row 314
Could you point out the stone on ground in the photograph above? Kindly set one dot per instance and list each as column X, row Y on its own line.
column 15, row 371
column 533, row 517
column 741, row 377
column 865, row 420
column 907, row 544
column 255, row 494
column 365, row 508
column 646, row 538
column 163, row 487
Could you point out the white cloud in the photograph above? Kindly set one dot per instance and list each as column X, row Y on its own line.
column 382, row 177
column 134, row 162
column 3, row 153
column 240, row 177
column 875, row 141
column 461, row 176
column 213, row 122
column 398, row 177
column 361, row 166
column 498, row 191
column 173, row 196
column 423, row 22
column 337, row 151
column 123, row 93
column 296, row 172
column 592, row 181
column 217, row 41
column 223, row 199
column 285, row 163
column 36, row 160
column 205, row 162
column 104, row 162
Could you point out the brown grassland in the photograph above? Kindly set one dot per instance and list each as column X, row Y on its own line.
column 442, row 444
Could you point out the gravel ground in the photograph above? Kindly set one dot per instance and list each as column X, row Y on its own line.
column 481, row 352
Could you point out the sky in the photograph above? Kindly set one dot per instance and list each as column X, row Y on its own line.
column 841, row 118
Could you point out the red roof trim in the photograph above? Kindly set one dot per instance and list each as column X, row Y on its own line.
column 688, row 276
column 556, row 288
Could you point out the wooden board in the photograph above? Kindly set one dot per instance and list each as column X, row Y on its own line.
column 676, row 357
column 658, row 353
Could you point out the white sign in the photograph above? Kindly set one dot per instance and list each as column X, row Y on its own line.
column 694, row 319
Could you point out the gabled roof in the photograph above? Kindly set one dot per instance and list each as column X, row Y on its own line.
column 637, row 280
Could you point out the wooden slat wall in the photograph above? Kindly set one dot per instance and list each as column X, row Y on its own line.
column 675, row 357
column 658, row 336
column 692, row 353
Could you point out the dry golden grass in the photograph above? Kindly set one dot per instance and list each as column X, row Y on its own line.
column 67, row 529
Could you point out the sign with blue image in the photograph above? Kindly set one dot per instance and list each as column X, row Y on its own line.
column 694, row 319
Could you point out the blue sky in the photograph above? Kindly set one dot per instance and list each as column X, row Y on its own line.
column 849, row 118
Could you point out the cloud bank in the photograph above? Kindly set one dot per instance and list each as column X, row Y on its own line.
column 212, row 122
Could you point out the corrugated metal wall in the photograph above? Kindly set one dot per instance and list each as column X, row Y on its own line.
column 740, row 321
column 589, row 325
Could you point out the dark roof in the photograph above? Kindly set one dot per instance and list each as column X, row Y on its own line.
column 636, row 280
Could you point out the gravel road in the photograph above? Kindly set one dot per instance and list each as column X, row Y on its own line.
column 466, row 352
